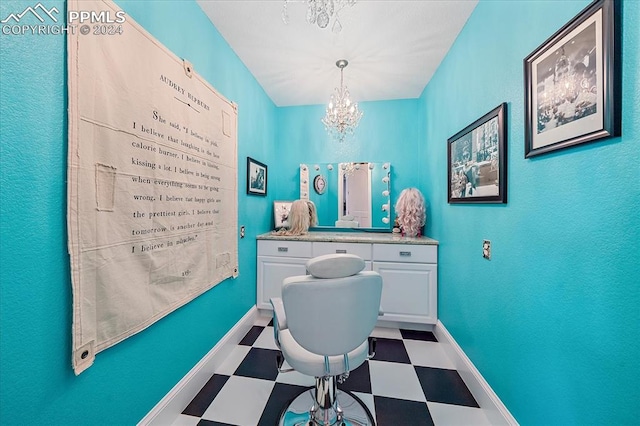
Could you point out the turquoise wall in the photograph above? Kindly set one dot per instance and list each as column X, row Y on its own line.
column 552, row 321
column 37, row 384
column 327, row 202
column 388, row 132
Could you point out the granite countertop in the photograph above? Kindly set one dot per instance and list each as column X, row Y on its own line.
column 351, row 237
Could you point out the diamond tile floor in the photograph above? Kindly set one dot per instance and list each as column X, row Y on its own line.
column 410, row 381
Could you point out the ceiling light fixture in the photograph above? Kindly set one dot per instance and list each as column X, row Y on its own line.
column 342, row 115
column 321, row 12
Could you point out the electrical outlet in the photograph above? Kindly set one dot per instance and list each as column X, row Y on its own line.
column 242, row 232
column 486, row 249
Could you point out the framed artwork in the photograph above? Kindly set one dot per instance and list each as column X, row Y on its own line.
column 281, row 211
column 572, row 82
column 256, row 177
column 477, row 160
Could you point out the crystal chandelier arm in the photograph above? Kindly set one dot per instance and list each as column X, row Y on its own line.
column 321, row 12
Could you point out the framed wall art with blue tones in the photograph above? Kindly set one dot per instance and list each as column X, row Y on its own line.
column 256, row 177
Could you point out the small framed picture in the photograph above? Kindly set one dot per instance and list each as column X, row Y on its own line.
column 281, row 211
column 572, row 82
column 477, row 160
column 256, row 177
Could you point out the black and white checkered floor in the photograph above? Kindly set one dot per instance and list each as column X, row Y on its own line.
column 410, row 381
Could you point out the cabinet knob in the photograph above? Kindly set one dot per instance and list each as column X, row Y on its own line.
column 283, row 249
column 405, row 253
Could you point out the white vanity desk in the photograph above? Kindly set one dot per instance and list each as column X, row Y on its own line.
column 408, row 266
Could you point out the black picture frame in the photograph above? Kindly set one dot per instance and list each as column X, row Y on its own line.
column 477, row 160
column 573, row 82
column 256, row 177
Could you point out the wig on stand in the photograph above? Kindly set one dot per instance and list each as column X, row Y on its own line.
column 303, row 214
column 411, row 212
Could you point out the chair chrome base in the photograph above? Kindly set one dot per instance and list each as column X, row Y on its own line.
column 342, row 408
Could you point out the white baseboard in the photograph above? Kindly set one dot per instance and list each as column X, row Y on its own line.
column 404, row 325
column 496, row 412
column 187, row 388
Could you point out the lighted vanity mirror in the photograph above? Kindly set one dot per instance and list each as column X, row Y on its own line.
column 349, row 195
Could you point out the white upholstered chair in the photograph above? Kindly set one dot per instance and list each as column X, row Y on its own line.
column 322, row 325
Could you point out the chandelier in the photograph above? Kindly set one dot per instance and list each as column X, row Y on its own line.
column 321, row 12
column 563, row 78
column 342, row 115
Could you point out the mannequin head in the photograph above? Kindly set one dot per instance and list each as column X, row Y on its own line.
column 411, row 212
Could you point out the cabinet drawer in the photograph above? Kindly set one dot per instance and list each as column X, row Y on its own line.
column 284, row 248
column 405, row 253
column 362, row 250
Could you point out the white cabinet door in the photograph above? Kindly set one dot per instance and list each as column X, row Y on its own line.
column 272, row 270
column 409, row 291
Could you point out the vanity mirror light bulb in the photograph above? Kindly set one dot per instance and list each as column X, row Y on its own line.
column 316, row 167
column 329, row 166
column 385, row 220
column 386, row 166
column 385, row 207
column 371, row 166
column 385, row 193
column 385, row 179
column 303, row 167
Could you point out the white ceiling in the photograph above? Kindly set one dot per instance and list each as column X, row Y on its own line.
column 393, row 47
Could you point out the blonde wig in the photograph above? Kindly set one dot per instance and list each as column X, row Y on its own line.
column 411, row 212
column 302, row 215
column 313, row 213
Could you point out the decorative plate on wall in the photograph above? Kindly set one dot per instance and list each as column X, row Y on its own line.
column 319, row 184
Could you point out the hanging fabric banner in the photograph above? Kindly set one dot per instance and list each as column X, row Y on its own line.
column 152, row 180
